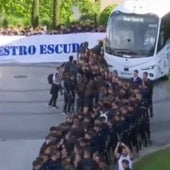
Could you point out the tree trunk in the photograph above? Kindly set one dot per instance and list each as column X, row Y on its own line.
column 100, row 5
column 35, row 13
column 97, row 15
column 56, row 13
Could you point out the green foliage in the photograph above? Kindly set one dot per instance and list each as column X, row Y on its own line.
column 105, row 14
column 45, row 22
column 5, row 23
column 35, row 13
column 17, row 8
column 66, row 12
column 87, row 7
column 46, row 7
column 87, row 17
column 156, row 161
column 17, row 11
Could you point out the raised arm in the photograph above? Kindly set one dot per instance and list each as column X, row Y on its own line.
column 128, row 150
column 116, row 153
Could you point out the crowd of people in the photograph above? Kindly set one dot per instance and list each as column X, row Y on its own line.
column 107, row 118
column 42, row 30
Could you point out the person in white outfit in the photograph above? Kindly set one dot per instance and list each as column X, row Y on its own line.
column 125, row 154
column 55, row 88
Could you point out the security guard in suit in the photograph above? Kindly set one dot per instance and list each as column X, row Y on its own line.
column 136, row 81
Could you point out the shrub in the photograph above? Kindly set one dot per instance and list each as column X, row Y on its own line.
column 46, row 21
column 15, row 21
column 5, row 23
column 105, row 14
column 87, row 17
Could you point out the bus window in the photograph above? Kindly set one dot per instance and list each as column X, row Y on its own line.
column 167, row 27
column 164, row 35
column 161, row 40
column 149, row 38
column 131, row 33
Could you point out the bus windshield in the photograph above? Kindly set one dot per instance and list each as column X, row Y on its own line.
column 131, row 34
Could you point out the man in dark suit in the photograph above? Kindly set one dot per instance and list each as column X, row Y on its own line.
column 150, row 86
column 136, row 80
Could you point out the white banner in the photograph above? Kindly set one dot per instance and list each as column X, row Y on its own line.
column 44, row 48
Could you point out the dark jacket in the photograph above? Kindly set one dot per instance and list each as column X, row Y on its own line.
column 137, row 82
column 87, row 164
column 56, row 165
column 150, row 86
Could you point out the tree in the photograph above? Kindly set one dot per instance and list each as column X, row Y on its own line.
column 105, row 14
column 56, row 13
column 67, row 12
column 89, row 8
column 50, row 12
column 46, row 12
column 16, row 11
column 35, row 13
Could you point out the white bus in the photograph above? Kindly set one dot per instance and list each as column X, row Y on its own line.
column 138, row 37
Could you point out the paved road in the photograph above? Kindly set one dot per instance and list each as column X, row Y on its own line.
column 24, row 111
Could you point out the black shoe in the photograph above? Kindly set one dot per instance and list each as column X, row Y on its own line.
column 49, row 105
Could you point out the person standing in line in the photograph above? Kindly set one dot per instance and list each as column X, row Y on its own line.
column 55, row 88
column 126, row 154
column 136, row 80
column 150, row 87
column 71, row 67
column 69, row 93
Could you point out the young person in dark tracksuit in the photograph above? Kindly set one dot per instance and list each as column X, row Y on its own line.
column 150, row 91
column 69, row 93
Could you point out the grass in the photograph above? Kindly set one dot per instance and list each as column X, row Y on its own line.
column 159, row 160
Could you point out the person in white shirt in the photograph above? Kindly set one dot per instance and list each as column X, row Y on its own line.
column 125, row 164
column 55, row 88
column 136, row 81
column 125, row 154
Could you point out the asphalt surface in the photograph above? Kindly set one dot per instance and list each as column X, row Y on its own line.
column 24, row 96
column 24, row 111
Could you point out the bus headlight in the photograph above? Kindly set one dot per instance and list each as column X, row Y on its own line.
column 149, row 68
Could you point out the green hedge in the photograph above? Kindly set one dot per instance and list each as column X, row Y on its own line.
column 105, row 14
column 159, row 160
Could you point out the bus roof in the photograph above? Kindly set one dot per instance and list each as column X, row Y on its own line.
column 157, row 7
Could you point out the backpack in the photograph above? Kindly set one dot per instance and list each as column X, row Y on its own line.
column 50, row 78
